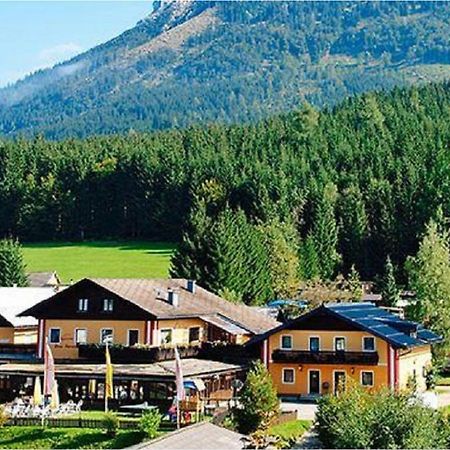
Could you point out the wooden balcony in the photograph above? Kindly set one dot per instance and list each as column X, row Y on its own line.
column 323, row 357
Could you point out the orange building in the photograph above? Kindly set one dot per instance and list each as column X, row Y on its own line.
column 6, row 331
column 140, row 312
column 320, row 351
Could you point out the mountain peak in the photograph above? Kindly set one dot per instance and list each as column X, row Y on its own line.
column 196, row 61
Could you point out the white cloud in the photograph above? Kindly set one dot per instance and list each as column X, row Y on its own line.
column 48, row 57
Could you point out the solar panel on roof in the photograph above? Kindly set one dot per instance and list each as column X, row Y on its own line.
column 383, row 323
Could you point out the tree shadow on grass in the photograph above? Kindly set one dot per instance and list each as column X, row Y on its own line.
column 28, row 437
column 99, row 439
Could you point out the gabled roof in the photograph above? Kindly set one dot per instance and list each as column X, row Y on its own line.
column 151, row 296
column 398, row 332
column 14, row 300
column 5, row 323
column 43, row 279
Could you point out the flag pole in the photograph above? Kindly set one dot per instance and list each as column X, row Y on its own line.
column 106, row 380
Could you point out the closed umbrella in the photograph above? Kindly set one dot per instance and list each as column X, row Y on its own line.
column 54, row 404
column 37, row 394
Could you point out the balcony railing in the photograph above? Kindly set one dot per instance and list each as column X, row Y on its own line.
column 323, row 357
column 147, row 354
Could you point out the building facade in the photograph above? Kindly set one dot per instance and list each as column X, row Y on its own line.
column 335, row 344
column 133, row 313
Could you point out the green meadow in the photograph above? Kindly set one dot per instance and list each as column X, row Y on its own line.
column 109, row 259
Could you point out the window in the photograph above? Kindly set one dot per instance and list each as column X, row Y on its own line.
column 133, row 337
column 369, row 344
column 288, row 376
column 81, row 336
column 108, row 305
column 106, row 334
column 166, row 336
column 194, row 334
column 314, row 344
column 83, row 304
column 367, row 378
column 54, row 335
column 286, row 342
column 339, row 344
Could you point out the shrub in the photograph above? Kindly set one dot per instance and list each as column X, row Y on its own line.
column 3, row 416
column 111, row 424
column 150, row 422
column 358, row 418
column 260, row 404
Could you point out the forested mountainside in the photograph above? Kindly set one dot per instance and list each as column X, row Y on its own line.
column 232, row 62
column 343, row 187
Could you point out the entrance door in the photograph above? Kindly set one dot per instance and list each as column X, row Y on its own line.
column 339, row 381
column 314, row 382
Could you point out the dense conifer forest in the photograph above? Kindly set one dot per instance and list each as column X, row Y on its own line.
column 308, row 194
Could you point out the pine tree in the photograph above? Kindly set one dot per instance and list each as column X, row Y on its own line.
column 309, row 261
column 260, row 404
column 353, row 229
column 325, row 234
column 354, row 284
column 429, row 273
column 12, row 266
column 281, row 243
column 389, row 290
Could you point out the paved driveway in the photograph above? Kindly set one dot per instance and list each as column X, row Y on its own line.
column 201, row 436
column 305, row 410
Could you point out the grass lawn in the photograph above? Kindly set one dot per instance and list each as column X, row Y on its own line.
column 290, row 431
column 109, row 259
column 443, row 381
column 49, row 438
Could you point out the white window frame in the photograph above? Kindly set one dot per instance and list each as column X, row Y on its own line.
column 83, row 304
column 160, row 336
column 281, row 342
column 284, row 371
column 128, row 335
column 374, row 343
column 334, row 343
column 75, row 336
column 108, row 305
column 361, row 378
column 320, row 380
column 101, row 335
column 199, row 333
column 309, row 343
column 50, row 334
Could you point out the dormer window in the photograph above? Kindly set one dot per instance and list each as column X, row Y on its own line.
column 83, row 304
column 108, row 305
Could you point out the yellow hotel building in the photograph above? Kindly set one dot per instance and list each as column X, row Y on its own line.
column 140, row 312
column 320, row 351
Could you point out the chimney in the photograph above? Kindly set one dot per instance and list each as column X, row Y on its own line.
column 172, row 297
column 191, row 286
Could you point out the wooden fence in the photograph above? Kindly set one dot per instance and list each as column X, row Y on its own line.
column 55, row 422
column 286, row 417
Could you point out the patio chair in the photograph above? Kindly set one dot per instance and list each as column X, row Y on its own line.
column 78, row 406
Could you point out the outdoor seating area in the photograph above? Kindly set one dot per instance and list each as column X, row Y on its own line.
column 26, row 408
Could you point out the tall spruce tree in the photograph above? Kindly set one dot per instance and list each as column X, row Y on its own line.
column 309, row 260
column 325, row 233
column 282, row 244
column 429, row 274
column 389, row 290
column 12, row 266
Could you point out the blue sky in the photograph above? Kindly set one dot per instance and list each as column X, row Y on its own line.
column 37, row 34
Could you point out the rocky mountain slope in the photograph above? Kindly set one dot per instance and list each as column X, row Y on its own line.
column 190, row 62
